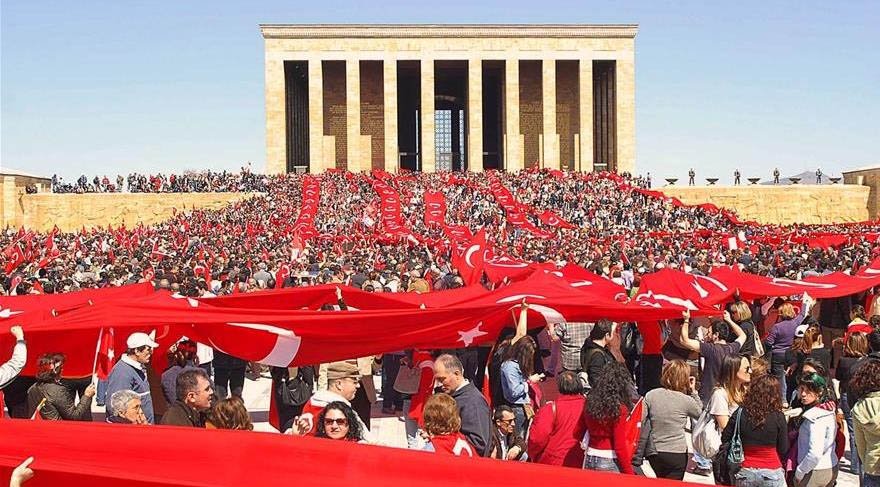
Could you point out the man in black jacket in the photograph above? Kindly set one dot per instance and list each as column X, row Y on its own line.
column 595, row 354
column 476, row 418
column 194, row 391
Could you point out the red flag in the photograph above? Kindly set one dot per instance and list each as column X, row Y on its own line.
column 634, row 425
column 106, row 355
column 282, row 274
column 471, row 261
column 37, row 416
column 16, row 258
column 38, row 286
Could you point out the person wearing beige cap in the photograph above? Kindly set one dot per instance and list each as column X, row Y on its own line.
column 343, row 380
column 131, row 372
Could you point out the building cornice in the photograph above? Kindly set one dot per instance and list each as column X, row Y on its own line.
column 410, row 31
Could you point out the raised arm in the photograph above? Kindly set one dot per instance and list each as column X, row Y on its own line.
column 685, row 338
column 521, row 323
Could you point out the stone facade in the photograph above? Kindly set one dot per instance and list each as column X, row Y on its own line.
column 547, row 86
column 782, row 205
column 71, row 212
column 869, row 177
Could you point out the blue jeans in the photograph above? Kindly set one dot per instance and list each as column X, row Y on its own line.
column 601, row 464
column 101, row 394
column 759, row 477
column 519, row 420
column 855, row 463
column 702, row 461
column 872, row 480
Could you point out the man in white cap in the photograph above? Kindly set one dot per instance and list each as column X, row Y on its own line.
column 131, row 371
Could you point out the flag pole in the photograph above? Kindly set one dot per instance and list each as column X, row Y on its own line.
column 97, row 351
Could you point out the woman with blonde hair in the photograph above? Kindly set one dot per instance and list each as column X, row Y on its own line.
column 742, row 316
column 781, row 337
column 667, row 410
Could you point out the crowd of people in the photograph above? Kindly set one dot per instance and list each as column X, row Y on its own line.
column 767, row 388
column 616, row 228
column 747, row 428
column 196, row 182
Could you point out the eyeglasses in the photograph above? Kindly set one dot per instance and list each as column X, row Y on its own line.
column 338, row 421
column 507, row 421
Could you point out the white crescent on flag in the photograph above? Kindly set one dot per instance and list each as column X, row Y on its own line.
column 286, row 344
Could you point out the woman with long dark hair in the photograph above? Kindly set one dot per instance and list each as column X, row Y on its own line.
column 761, row 427
column 607, row 406
column 517, row 371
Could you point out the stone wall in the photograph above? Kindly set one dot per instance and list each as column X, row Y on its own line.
column 870, row 178
column 71, row 212
column 782, row 204
column 531, row 120
column 373, row 111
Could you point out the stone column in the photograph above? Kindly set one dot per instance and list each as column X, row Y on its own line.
column 316, row 117
column 626, row 113
column 585, row 95
column 276, row 116
column 392, row 158
column 548, row 94
column 353, row 115
column 427, row 155
column 475, row 115
column 513, row 153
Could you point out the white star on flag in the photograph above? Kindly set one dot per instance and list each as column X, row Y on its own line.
column 467, row 337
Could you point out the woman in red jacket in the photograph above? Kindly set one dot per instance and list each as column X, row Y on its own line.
column 557, row 429
column 607, row 406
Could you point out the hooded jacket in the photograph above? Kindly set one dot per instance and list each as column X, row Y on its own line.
column 816, row 439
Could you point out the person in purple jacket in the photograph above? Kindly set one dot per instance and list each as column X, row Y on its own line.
column 781, row 337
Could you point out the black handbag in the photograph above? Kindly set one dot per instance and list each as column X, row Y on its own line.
column 294, row 391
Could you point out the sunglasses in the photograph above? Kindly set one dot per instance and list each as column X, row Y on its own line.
column 339, row 421
column 507, row 421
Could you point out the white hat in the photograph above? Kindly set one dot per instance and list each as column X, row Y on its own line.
column 139, row 339
column 800, row 331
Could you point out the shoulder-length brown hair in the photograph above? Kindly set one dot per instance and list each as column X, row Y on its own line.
column 675, row 376
column 230, row 414
column 441, row 415
column 762, row 399
column 856, row 345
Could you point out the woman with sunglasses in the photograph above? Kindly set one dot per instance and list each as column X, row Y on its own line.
column 338, row 421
